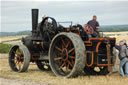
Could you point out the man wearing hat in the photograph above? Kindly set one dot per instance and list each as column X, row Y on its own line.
column 123, row 53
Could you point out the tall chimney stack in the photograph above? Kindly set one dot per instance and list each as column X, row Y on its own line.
column 34, row 19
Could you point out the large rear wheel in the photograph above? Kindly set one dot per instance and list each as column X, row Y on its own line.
column 67, row 55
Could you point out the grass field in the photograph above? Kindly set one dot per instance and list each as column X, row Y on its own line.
column 34, row 74
column 4, row 48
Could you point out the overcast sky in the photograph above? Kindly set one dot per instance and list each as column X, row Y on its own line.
column 16, row 15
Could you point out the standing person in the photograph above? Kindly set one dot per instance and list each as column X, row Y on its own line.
column 123, row 53
column 95, row 25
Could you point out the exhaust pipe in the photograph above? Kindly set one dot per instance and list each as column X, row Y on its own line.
column 34, row 19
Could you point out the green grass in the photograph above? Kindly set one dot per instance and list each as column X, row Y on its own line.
column 4, row 48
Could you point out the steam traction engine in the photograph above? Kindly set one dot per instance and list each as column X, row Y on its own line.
column 66, row 50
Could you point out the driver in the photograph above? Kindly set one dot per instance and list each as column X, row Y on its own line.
column 95, row 25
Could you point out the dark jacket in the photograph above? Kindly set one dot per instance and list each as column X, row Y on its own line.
column 123, row 51
column 93, row 24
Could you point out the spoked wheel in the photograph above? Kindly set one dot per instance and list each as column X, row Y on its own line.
column 43, row 65
column 96, row 70
column 19, row 58
column 67, row 55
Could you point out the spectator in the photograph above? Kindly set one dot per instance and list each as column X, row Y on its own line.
column 123, row 53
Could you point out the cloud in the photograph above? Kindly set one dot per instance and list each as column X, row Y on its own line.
column 16, row 15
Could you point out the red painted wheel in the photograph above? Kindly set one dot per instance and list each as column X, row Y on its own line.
column 19, row 58
column 88, row 29
column 67, row 55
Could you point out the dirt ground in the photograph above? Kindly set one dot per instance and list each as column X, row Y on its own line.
column 8, row 81
column 36, row 77
column 6, row 38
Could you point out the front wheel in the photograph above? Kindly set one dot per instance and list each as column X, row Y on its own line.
column 19, row 58
column 67, row 55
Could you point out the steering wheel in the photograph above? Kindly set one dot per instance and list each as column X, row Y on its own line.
column 88, row 29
